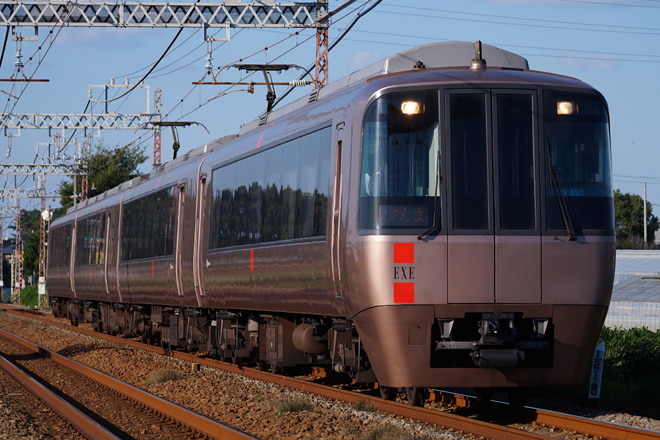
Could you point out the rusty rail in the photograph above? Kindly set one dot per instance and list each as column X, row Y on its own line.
column 184, row 416
column 441, row 419
column 595, row 428
column 83, row 423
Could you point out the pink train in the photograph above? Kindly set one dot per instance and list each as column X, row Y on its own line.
column 443, row 218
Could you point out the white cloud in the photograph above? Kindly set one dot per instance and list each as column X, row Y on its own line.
column 596, row 61
column 363, row 59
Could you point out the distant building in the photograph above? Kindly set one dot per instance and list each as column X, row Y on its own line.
column 636, row 295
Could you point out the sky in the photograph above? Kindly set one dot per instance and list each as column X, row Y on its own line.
column 614, row 45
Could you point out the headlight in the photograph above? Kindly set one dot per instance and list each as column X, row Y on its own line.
column 565, row 108
column 411, row 108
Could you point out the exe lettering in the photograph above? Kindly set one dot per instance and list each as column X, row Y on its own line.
column 404, row 272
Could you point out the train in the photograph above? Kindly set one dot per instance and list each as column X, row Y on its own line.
column 442, row 218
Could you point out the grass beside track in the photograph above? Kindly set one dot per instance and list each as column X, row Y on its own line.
column 630, row 374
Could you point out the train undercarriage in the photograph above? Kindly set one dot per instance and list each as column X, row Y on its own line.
column 266, row 341
column 272, row 342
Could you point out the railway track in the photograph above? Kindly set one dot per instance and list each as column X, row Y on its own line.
column 543, row 423
column 99, row 406
column 28, row 397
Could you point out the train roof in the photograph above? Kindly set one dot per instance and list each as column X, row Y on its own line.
column 441, row 55
column 457, row 54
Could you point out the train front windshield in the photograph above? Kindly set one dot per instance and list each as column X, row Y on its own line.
column 400, row 162
column 482, row 162
column 577, row 151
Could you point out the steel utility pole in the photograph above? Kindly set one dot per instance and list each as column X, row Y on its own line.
column 204, row 15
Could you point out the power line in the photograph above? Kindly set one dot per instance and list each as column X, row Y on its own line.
column 526, row 21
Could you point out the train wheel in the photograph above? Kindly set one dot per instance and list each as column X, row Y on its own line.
column 262, row 365
column 518, row 397
column 484, row 395
column 416, row 396
column 387, row 393
column 97, row 326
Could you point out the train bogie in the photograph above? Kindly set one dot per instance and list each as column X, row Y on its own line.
column 416, row 224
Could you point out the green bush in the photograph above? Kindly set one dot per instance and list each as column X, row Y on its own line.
column 630, row 353
column 630, row 379
column 632, row 360
column 30, row 296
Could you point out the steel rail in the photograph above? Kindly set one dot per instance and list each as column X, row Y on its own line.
column 594, row 427
column 584, row 425
column 182, row 415
column 87, row 426
column 440, row 419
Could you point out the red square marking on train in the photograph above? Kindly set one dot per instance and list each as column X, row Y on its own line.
column 404, row 253
column 404, row 292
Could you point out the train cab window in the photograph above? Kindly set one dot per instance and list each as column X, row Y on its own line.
column 515, row 161
column 469, row 150
column 578, row 173
column 400, row 176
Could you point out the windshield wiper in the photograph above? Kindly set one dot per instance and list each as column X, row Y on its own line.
column 563, row 208
column 436, row 200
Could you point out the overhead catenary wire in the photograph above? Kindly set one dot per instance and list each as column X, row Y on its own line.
column 346, row 37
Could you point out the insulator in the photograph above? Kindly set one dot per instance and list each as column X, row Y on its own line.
column 209, row 62
column 299, row 83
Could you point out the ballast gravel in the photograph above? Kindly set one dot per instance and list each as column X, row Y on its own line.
column 261, row 409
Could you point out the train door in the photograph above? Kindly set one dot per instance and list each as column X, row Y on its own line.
column 336, row 219
column 494, row 242
column 112, row 252
column 199, row 251
column 72, row 258
column 179, row 246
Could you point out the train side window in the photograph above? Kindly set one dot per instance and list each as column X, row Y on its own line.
column 60, row 246
column 148, row 226
column 288, row 188
column 307, row 184
column 276, row 194
column 254, row 177
column 90, row 246
column 271, row 193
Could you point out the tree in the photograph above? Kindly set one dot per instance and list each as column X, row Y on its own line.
column 108, row 167
column 30, row 237
column 30, row 230
column 629, row 221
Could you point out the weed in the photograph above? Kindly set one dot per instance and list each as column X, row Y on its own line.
column 294, row 405
column 365, row 405
column 164, row 376
column 386, row 432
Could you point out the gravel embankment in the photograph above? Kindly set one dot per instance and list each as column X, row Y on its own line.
column 245, row 404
